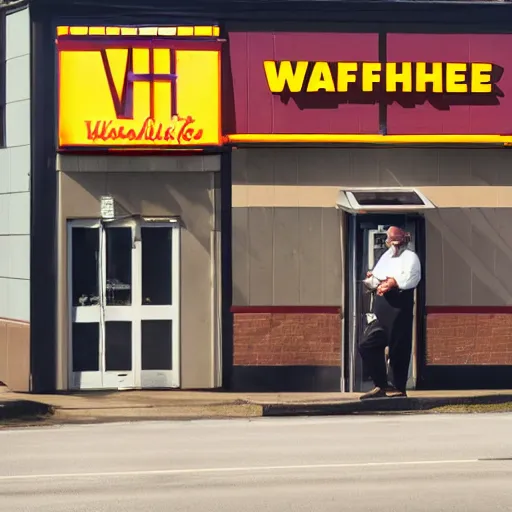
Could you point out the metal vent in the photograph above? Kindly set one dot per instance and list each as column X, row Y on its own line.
column 361, row 200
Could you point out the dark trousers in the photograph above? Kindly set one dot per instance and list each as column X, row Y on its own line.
column 395, row 313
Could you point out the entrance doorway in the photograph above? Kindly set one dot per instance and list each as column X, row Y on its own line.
column 123, row 280
column 367, row 236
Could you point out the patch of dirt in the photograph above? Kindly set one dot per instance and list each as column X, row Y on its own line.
column 473, row 408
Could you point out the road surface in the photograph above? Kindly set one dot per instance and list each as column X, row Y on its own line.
column 386, row 464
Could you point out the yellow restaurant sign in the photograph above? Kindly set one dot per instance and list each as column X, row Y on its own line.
column 147, row 87
column 409, row 77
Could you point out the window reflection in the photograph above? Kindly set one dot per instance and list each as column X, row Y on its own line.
column 156, row 344
column 84, row 278
column 86, row 347
column 118, row 346
column 156, row 266
column 119, row 266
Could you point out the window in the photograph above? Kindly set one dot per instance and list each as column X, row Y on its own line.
column 3, row 38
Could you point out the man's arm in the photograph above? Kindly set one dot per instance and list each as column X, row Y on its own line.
column 380, row 268
column 407, row 278
column 410, row 272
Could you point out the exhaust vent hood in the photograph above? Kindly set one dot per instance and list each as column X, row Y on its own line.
column 366, row 200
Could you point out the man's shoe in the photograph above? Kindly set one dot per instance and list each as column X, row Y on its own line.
column 374, row 393
column 395, row 393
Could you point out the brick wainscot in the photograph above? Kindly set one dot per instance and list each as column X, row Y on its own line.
column 468, row 347
column 279, row 348
column 469, row 336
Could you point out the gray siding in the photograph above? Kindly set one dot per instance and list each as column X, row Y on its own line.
column 15, row 173
column 371, row 166
column 286, row 233
column 469, row 254
column 286, row 256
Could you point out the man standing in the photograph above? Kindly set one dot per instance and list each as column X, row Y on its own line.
column 396, row 275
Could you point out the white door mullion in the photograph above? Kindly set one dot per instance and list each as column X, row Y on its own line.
column 168, row 374
column 158, row 312
column 102, row 270
column 136, row 308
column 176, row 291
column 82, row 314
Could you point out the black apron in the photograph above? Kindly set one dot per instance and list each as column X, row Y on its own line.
column 395, row 313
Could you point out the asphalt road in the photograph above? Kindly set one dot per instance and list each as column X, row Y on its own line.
column 385, row 464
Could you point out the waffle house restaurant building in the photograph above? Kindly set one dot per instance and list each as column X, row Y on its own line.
column 220, row 193
column 338, row 136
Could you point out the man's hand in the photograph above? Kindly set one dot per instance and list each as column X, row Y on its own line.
column 369, row 273
column 386, row 285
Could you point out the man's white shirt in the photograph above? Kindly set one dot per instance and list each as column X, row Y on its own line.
column 405, row 269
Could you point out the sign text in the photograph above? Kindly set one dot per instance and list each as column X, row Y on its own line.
column 391, row 77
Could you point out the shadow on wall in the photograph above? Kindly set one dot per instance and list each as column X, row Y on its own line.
column 469, row 256
column 152, row 194
column 286, row 256
column 383, row 167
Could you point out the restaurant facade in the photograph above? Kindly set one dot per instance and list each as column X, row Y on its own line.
column 206, row 198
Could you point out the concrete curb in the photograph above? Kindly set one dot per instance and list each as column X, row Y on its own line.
column 378, row 405
column 24, row 409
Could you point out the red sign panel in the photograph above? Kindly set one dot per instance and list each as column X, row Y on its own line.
column 454, row 113
column 258, row 110
column 337, row 83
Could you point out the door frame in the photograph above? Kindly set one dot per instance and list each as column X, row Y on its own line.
column 352, row 271
column 173, row 310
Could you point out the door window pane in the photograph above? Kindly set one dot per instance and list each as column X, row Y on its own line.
column 118, row 346
column 119, row 266
column 156, row 266
column 157, row 345
column 84, row 266
column 86, row 347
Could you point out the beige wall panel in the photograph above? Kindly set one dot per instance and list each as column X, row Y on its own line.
column 260, row 235
column 331, row 262
column 324, row 196
column 286, row 167
column 505, row 196
column 286, row 256
column 114, row 163
column 462, row 196
column 240, row 255
column 373, row 166
column 239, row 159
column 285, row 247
column 365, row 167
column 310, row 177
column 186, row 195
column 317, row 167
column 472, row 248
column 259, row 167
column 457, row 277
column 469, row 236
column 455, row 167
column 317, row 197
column 434, row 271
column 311, row 253
column 412, row 168
column 483, row 295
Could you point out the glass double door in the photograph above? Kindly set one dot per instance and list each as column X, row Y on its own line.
column 124, row 294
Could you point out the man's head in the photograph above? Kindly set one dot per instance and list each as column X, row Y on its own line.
column 397, row 238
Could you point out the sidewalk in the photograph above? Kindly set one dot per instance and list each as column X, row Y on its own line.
column 108, row 406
